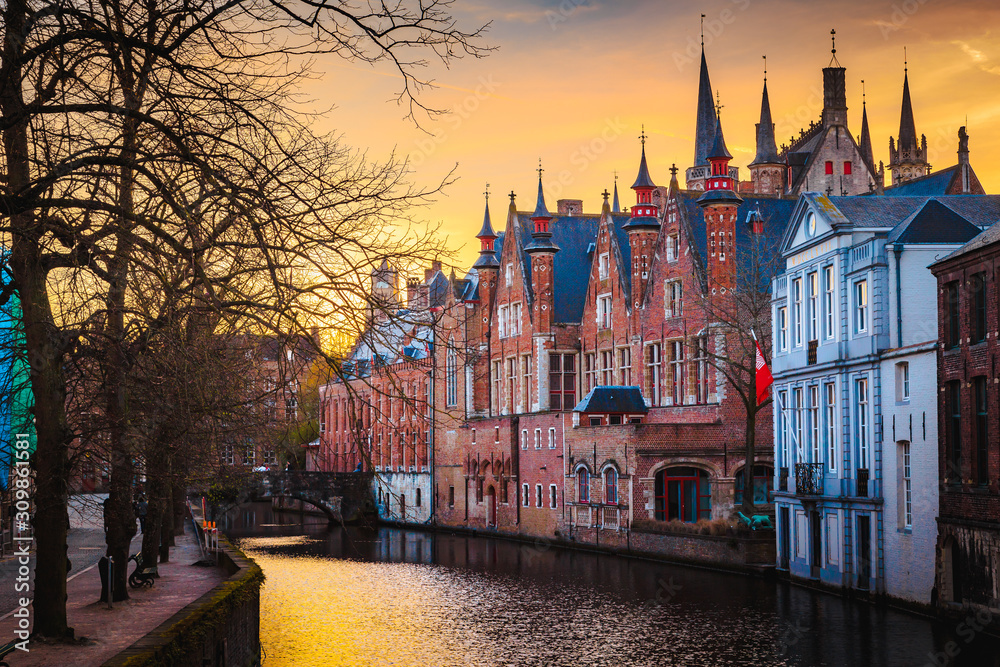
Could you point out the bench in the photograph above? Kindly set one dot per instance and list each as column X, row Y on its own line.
column 5, row 650
column 141, row 576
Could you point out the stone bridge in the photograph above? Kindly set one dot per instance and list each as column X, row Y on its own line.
column 342, row 496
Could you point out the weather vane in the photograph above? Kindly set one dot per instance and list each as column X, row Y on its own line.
column 540, row 170
column 702, row 32
column 765, row 68
column 487, row 193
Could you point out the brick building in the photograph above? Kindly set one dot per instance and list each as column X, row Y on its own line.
column 968, row 543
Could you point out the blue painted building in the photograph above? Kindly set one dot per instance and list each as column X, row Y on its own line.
column 856, row 298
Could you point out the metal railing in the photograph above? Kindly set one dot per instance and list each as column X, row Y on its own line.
column 808, row 479
column 862, row 482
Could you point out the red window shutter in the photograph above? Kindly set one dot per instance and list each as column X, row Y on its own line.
column 829, row 168
column 847, row 169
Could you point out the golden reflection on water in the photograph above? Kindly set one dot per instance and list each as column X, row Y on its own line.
column 322, row 611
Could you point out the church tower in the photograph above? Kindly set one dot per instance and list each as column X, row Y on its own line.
column 642, row 228
column 719, row 204
column 907, row 160
column 384, row 293
column 767, row 171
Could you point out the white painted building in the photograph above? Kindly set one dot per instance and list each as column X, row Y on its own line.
column 855, row 300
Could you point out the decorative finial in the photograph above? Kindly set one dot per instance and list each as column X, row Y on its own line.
column 642, row 137
column 487, row 193
column 765, row 69
column 540, row 170
column 511, row 195
column 833, row 39
column 718, row 104
column 605, row 194
column 862, row 92
column 702, row 32
column 906, row 64
column 673, row 170
column 615, row 172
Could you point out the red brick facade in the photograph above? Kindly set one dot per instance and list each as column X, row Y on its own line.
column 508, row 457
column 969, row 424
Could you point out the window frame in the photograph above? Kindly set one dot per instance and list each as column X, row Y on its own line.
column 830, row 301
column 610, row 487
column 582, row 485
column 862, row 302
column 797, row 312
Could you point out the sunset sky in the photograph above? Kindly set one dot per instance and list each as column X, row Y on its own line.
column 572, row 81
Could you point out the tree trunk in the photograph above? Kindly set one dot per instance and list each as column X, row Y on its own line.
column 122, row 525
column 154, row 515
column 44, row 347
column 180, row 509
column 749, row 507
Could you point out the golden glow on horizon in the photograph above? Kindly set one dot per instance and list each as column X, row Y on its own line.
column 573, row 86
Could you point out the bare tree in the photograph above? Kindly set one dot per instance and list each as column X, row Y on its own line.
column 139, row 133
column 732, row 319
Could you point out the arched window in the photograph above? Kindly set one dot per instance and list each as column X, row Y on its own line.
column 451, row 364
column 582, row 485
column 763, row 477
column 611, row 486
column 684, row 494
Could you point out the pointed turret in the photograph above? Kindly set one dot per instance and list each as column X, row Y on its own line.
column 616, row 208
column 719, row 204
column 865, row 144
column 704, row 131
column 486, row 236
column 767, row 148
column 541, row 237
column 907, row 159
column 767, row 171
column 645, row 214
column 907, row 128
column 719, row 186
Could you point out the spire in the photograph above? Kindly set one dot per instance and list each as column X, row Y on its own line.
column 487, row 254
column 643, row 180
column 704, row 132
column 719, row 149
column 616, row 208
column 540, row 210
column 487, row 230
column 541, row 237
column 866, row 138
column 907, row 129
column 767, row 148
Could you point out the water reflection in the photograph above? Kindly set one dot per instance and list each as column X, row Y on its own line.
column 381, row 596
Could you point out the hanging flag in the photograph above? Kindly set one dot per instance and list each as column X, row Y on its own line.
column 764, row 377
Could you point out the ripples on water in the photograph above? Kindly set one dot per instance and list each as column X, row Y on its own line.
column 409, row 599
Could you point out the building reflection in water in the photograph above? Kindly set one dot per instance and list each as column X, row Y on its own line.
column 386, row 596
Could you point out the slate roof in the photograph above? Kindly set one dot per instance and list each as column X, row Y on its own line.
column 704, row 132
column 933, row 184
column 887, row 212
column 573, row 235
column 934, row 223
column 613, row 399
column 767, row 149
column 774, row 211
column 988, row 237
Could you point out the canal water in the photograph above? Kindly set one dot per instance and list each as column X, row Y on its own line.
column 406, row 598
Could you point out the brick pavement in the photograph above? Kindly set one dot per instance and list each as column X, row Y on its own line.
column 108, row 631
